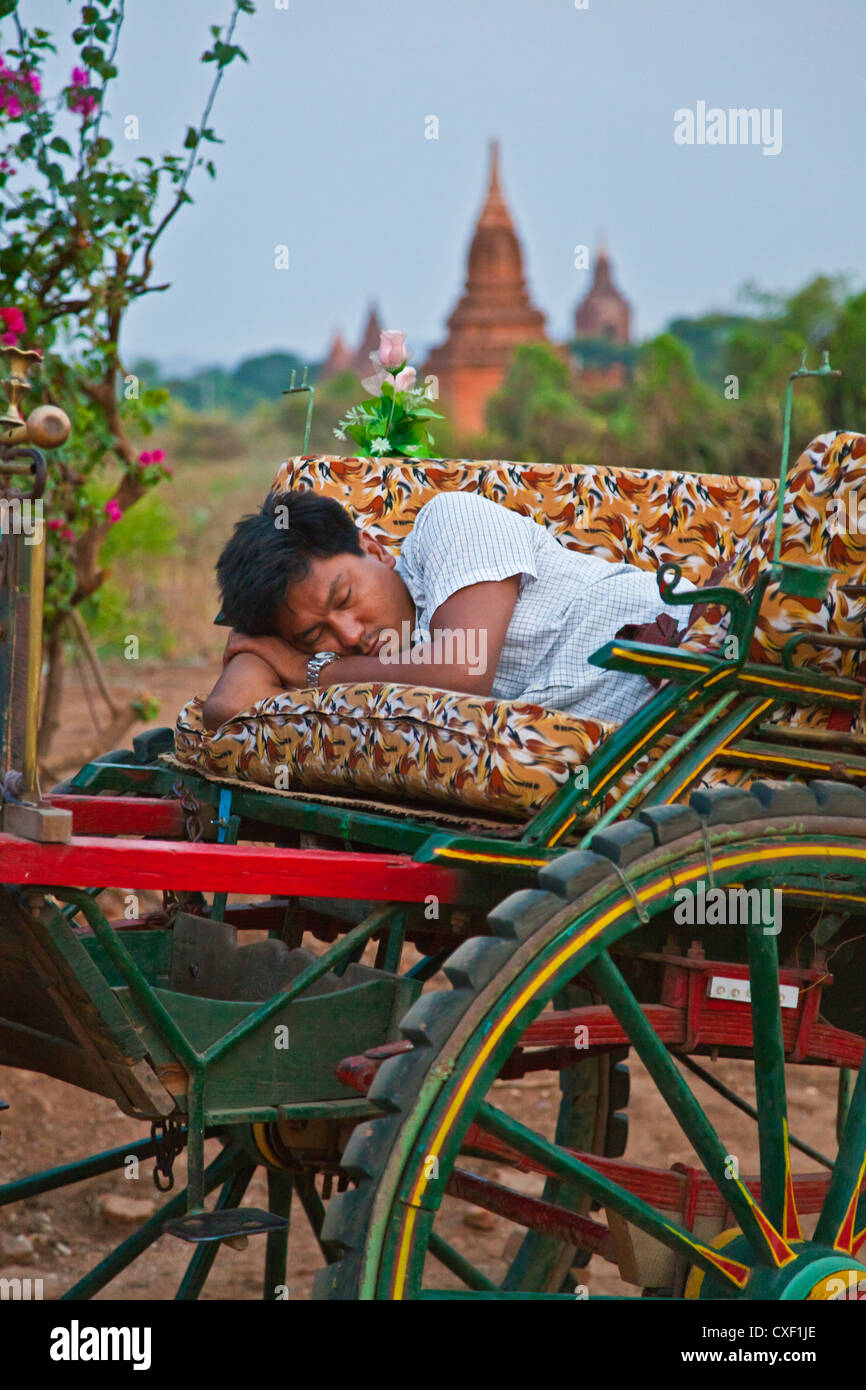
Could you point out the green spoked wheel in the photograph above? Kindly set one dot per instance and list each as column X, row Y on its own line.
column 601, row 920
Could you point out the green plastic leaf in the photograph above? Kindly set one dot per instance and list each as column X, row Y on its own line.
column 60, row 145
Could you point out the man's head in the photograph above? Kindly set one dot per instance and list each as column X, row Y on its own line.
column 300, row 568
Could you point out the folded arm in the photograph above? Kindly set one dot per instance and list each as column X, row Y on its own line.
column 467, row 634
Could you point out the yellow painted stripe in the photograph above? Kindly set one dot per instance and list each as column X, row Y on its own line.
column 487, row 858
column 636, row 747
column 738, row 1272
column 749, row 718
column 589, row 933
column 810, row 764
column 807, row 689
column 656, row 660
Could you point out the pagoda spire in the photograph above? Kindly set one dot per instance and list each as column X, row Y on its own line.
column 493, row 316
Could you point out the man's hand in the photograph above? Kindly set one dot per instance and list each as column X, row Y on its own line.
column 288, row 664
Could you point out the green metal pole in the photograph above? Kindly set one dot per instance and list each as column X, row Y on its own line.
column 657, row 767
column 204, row 1254
column 849, row 1170
column 223, row 1165
column 280, row 1188
column 602, row 1189
column 768, row 1047
column 676, row 1093
column 69, row 1173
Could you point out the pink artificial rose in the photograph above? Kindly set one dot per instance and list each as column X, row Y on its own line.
column 112, row 510
column 145, row 459
column 392, row 348
column 13, row 319
column 157, row 456
column 405, row 380
column 54, row 525
column 9, row 340
column 67, row 535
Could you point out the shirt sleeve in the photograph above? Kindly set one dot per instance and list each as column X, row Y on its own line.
column 460, row 539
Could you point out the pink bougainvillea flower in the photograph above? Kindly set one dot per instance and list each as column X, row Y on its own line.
column 9, row 339
column 13, row 319
column 35, row 84
column 67, row 535
column 112, row 510
column 14, row 109
column 79, row 77
column 84, row 105
column 54, row 525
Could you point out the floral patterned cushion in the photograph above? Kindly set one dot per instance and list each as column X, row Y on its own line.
column 643, row 516
column 821, row 502
column 495, row 755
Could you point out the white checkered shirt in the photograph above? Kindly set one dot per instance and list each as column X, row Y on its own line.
column 569, row 604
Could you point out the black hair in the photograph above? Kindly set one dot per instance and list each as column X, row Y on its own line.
column 272, row 549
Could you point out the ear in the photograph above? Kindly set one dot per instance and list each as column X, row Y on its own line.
column 376, row 550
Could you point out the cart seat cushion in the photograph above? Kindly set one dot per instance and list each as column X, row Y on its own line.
column 644, row 517
column 821, row 524
column 495, row 755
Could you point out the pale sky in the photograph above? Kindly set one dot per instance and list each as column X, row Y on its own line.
column 325, row 153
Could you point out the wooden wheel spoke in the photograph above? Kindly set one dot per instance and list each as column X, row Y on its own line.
column 765, row 1241
column 458, row 1264
column 768, row 1048
column 610, row 1194
column 838, row 1219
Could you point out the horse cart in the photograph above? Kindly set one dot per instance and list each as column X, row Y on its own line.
column 688, row 887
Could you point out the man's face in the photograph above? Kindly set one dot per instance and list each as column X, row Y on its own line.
column 345, row 602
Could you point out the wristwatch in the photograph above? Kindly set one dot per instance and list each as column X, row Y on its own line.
column 315, row 666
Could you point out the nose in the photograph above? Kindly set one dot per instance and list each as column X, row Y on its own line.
column 348, row 629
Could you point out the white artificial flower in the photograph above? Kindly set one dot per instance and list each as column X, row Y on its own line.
column 380, row 446
column 339, row 434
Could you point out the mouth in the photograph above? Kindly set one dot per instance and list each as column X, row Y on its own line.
column 375, row 645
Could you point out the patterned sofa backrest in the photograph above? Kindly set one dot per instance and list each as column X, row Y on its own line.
column 644, row 516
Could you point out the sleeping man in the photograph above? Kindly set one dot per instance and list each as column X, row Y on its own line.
column 480, row 600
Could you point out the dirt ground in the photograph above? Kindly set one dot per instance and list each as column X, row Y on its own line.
column 67, row 1232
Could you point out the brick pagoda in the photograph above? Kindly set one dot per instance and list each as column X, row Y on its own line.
column 493, row 317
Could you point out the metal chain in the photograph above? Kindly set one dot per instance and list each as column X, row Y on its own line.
column 191, row 808
column 169, row 1138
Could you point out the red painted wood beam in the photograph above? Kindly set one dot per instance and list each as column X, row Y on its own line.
column 104, row 862
column 532, row 1212
column 665, row 1189
column 121, row 815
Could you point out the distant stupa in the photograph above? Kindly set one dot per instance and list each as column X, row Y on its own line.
column 604, row 313
column 340, row 356
column 493, row 317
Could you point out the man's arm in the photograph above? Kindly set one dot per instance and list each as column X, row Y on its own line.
column 471, row 627
column 245, row 680
column 467, row 634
